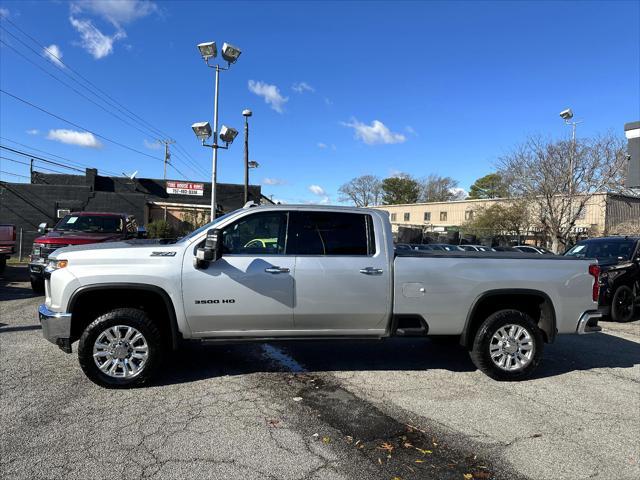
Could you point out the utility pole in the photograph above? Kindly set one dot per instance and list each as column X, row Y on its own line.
column 31, row 170
column 246, row 114
column 167, row 154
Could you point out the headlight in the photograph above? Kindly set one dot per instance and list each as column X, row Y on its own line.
column 56, row 264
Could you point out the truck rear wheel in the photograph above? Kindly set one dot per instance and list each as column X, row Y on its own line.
column 508, row 346
column 120, row 349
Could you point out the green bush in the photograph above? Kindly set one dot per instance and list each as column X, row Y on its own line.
column 160, row 229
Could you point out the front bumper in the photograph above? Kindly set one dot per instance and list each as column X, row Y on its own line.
column 56, row 327
column 588, row 322
column 36, row 269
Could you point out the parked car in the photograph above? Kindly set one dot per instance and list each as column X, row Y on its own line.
column 500, row 248
column 422, row 247
column 7, row 244
column 476, row 248
column 332, row 273
column 403, row 246
column 619, row 261
column 446, row 247
column 77, row 228
column 532, row 249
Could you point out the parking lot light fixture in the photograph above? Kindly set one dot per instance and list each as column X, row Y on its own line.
column 230, row 53
column 253, row 164
column 202, row 130
column 208, row 50
column 228, row 134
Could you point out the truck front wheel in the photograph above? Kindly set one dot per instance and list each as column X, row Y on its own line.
column 508, row 346
column 120, row 349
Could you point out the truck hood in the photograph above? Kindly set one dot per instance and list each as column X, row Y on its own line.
column 118, row 249
column 76, row 238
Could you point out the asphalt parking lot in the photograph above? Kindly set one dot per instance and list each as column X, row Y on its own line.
column 318, row 410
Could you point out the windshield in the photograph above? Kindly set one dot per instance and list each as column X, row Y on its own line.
column 602, row 250
column 209, row 225
column 91, row 224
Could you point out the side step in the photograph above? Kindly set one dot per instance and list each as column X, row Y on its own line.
column 409, row 326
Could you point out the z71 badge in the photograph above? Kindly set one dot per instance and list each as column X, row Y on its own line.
column 163, row 254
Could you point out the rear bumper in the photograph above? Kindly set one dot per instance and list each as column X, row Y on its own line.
column 56, row 327
column 588, row 322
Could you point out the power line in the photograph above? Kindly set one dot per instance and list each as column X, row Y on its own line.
column 26, row 102
column 72, row 162
column 29, row 165
column 114, row 103
column 14, row 174
column 24, row 154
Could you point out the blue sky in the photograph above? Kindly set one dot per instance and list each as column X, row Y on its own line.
column 338, row 89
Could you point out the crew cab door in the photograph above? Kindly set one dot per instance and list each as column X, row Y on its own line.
column 342, row 278
column 250, row 287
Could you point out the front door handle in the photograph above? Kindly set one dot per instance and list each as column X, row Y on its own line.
column 276, row 270
column 371, row 271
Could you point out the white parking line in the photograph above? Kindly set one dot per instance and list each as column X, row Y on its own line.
column 278, row 356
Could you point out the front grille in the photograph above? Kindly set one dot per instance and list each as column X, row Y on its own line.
column 47, row 250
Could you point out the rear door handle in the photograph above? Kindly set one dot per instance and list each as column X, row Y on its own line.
column 371, row 271
column 276, row 270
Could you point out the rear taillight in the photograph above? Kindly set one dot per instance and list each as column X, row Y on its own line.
column 595, row 271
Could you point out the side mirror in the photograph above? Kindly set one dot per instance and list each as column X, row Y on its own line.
column 211, row 251
column 141, row 232
column 42, row 228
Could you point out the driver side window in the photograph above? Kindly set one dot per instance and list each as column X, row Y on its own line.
column 257, row 234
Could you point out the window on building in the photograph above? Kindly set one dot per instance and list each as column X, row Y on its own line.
column 393, row 217
column 468, row 215
column 407, row 217
column 443, row 216
column 330, row 233
column 427, row 216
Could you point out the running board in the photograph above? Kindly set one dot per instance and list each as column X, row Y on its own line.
column 409, row 326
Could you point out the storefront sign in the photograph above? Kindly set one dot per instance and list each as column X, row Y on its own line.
column 185, row 188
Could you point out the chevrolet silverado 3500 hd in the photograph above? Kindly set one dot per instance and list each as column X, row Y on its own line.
column 299, row 272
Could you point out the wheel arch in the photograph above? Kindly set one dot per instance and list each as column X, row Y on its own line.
column 132, row 294
column 536, row 303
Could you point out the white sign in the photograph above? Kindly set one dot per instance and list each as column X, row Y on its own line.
column 185, row 188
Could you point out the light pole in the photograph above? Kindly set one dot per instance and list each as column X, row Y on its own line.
column 246, row 114
column 567, row 116
column 230, row 54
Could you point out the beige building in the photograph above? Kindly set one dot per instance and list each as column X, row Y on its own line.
column 602, row 212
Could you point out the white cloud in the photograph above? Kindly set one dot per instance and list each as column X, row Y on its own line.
column 270, row 93
column 322, row 145
column 152, row 145
column 4, row 12
column 273, row 181
column 317, row 190
column 118, row 12
column 72, row 137
column 302, row 87
column 460, row 193
column 93, row 40
column 376, row 133
column 33, row 131
column 325, row 146
column 54, row 54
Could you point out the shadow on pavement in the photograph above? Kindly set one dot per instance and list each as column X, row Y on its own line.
column 569, row 353
column 14, row 283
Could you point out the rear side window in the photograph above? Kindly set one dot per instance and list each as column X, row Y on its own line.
column 330, row 233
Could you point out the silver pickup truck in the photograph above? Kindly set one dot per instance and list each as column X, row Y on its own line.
column 300, row 272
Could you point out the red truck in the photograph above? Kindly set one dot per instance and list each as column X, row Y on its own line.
column 7, row 244
column 78, row 228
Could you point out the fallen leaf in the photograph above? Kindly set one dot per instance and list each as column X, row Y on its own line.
column 407, row 445
column 380, row 461
column 386, row 446
column 481, row 475
column 326, row 440
column 419, row 461
column 396, row 478
column 297, row 399
column 424, row 452
column 468, row 476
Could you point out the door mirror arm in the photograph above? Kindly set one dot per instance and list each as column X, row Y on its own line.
column 212, row 250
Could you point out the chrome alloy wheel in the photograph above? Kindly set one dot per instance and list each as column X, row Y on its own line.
column 121, row 351
column 511, row 348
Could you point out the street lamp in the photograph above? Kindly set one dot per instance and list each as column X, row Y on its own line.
column 203, row 131
column 567, row 116
column 246, row 113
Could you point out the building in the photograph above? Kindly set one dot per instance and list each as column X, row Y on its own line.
column 632, row 132
column 51, row 196
column 602, row 213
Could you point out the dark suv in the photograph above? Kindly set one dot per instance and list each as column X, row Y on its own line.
column 77, row 228
column 619, row 261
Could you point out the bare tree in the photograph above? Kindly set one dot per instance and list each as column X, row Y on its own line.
column 435, row 188
column 559, row 178
column 362, row 191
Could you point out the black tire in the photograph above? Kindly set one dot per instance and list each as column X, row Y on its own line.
column 129, row 317
column 3, row 263
column 622, row 305
column 480, row 353
column 37, row 285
